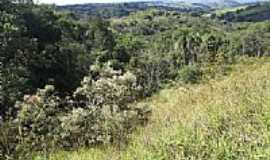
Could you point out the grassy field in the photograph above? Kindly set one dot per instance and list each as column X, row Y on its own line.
column 229, row 9
column 224, row 119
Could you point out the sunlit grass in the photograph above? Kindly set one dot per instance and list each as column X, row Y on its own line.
column 217, row 119
column 230, row 9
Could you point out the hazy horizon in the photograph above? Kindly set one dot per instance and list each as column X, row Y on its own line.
column 67, row 2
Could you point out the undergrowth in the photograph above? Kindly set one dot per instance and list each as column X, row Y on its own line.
column 225, row 118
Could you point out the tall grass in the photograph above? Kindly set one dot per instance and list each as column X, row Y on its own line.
column 217, row 119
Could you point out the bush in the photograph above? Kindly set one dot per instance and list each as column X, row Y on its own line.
column 38, row 121
column 7, row 141
column 190, row 74
column 82, row 127
column 151, row 72
column 109, row 87
column 108, row 98
column 99, row 112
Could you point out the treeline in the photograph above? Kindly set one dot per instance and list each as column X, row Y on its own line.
column 117, row 10
column 68, row 83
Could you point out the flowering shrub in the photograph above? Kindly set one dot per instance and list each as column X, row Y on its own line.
column 38, row 120
column 99, row 111
column 113, row 90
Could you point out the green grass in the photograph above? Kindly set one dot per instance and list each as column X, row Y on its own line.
column 224, row 119
column 230, row 9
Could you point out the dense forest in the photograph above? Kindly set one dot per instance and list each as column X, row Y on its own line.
column 109, row 10
column 69, row 82
column 228, row 10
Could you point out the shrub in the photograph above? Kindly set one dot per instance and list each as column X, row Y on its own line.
column 38, row 121
column 151, row 72
column 190, row 74
column 108, row 98
column 110, row 88
column 7, row 141
column 82, row 127
column 99, row 112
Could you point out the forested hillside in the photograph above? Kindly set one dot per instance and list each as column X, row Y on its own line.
column 121, row 9
column 254, row 13
column 69, row 83
column 112, row 10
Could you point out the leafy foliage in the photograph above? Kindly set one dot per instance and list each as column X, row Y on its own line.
column 93, row 71
column 190, row 74
column 117, row 10
column 98, row 113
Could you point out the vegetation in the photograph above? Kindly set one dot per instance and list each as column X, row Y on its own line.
column 113, row 10
column 122, row 9
column 222, row 12
column 72, row 83
column 225, row 118
column 254, row 13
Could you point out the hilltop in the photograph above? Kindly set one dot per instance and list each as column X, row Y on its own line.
column 108, row 10
column 249, row 13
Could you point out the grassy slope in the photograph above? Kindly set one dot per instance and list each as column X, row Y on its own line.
column 248, row 13
column 219, row 12
column 218, row 119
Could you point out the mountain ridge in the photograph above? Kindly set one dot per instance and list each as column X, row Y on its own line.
column 169, row 1
column 109, row 10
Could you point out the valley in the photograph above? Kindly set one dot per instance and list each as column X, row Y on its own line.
column 153, row 80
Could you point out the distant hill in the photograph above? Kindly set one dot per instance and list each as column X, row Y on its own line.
column 224, row 3
column 108, row 10
column 252, row 13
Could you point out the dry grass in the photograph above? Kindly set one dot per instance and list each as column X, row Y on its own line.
column 218, row 119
